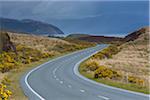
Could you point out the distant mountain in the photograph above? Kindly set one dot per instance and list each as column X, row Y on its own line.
column 29, row 26
column 92, row 38
column 77, row 35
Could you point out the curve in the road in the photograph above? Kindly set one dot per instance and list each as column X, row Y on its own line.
column 59, row 79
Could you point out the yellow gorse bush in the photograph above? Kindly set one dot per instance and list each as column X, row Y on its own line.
column 6, row 81
column 107, row 52
column 100, row 71
column 105, row 72
column 4, row 93
column 26, row 55
column 91, row 65
column 134, row 79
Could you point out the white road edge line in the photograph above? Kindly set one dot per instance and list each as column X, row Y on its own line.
column 26, row 81
column 38, row 67
column 77, row 73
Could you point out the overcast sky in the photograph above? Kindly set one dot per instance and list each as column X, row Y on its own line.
column 91, row 17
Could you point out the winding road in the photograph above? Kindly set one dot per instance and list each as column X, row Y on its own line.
column 59, row 79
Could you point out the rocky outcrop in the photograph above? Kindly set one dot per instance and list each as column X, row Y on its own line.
column 5, row 43
column 134, row 35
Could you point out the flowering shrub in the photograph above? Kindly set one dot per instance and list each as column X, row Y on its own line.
column 26, row 55
column 137, row 80
column 91, row 65
column 104, row 72
column 6, row 67
column 4, row 93
column 6, row 81
column 107, row 52
column 6, row 62
column 9, row 60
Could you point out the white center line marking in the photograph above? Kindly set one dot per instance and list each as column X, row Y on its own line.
column 57, row 79
column 54, row 71
column 82, row 90
column 103, row 97
column 69, row 86
column 61, row 82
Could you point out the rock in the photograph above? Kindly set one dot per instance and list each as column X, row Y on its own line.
column 5, row 43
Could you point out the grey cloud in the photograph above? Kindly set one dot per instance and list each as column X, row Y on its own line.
column 47, row 9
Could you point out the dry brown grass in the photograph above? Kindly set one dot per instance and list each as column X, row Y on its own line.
column 133, row 59
column 42, row 43
column 32, row 47
column 2, row 75
column 131, row 63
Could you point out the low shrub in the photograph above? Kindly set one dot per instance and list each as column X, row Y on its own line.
column 104, row 72
column 91, row 65
column 6, row 67
column 6, row 81
column 136, row 80
column 107, row 52
column 4, row 93
column 27, row 55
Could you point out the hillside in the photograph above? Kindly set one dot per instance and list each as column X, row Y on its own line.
column 29, row 26
column 21, row 52
column 42, row 43
column 19, row 48
column 97, row 39
column 77, row 35
column 133, row 54
column 130, row 61
column 22, row 48
column 137, row 34
column 101, row 39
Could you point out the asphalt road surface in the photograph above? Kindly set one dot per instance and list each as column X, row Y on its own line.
column 59, row 79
